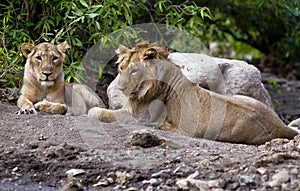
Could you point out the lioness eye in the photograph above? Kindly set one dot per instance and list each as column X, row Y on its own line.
column 55, row 58
column 39, row 58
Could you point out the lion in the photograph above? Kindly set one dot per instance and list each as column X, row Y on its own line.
column 44, row 88
column 159, row 95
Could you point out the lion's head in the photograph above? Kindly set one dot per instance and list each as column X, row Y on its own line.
column 45, row 60
column 138, row 76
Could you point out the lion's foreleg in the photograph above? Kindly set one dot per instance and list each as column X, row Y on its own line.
column 51, row 107
column 25, row 105
column 109, row 116
column 167, row 125
column 104, row 115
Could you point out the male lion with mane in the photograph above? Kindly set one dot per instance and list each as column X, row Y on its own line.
column 44, row 88
column 160, row 95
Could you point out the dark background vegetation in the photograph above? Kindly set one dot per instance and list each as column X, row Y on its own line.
column 268, row 30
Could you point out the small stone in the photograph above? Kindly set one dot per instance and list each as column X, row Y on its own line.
column 149, row 188
column 101, row 183
column 191, row 182
column 132, row 189
column 16, row 169
column 246, row 180
column 294, row 171
column 154, row 182
column 204, row 163
column 261, row 170
column 145, row 138
column 264, row 178
column 279, row 178
column 74, row 172
column 71, row 184
column 157, row 175
column 110, row 180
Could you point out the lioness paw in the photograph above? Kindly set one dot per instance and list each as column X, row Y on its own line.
column 26, row 111
column 50, row 107
column 43, row 106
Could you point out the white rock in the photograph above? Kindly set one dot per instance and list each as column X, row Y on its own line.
column 74, row 172
column 224, row 76
column 279, row 178
column 201, row 185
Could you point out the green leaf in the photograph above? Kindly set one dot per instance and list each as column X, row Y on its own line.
column 82, row 2
column 92, row 15
column 98, row 25
column 100, row 73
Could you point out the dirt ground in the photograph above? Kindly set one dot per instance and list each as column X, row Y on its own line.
column 36, row 151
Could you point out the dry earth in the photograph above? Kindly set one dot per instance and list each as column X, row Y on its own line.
column 37, row 150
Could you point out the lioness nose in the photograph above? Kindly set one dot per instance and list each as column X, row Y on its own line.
column 47, row 74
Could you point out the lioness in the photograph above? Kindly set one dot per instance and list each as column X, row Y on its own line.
column 160, row 95
column 44, row 88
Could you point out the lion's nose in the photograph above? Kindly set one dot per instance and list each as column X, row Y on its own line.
column 47, row 74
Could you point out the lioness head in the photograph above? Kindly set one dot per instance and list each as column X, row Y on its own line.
column 138, row 76
column 45, row 60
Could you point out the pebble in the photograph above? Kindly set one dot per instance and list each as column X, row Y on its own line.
column 246, row 180
column 261, row 170
column 157, row 175
column 279, row 178
column 74, row 172
column 145, row 138
column 191, row 182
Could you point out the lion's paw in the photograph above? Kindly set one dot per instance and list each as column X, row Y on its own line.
column 26, row 111
column 104, row 115
column 95, row 112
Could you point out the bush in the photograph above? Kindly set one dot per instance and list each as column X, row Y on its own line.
column 81, row 23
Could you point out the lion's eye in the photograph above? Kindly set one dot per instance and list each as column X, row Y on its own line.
column 133, row 72
column 39, row 58
column 54, row 58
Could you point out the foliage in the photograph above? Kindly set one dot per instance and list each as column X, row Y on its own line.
column 271, row 26
column 81, row 23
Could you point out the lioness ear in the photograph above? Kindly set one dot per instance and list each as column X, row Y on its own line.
column 63, row 46
column 150, row 53
column 121, row 49
column 26, row 48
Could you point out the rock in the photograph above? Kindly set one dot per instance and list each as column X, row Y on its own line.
column 224, row 76
column 74, row 172
column 202, row 185
column 116, row 97
column 246, row 180
column 279, row 178
column 144, row 138
column 296, row 124
column 71, row 184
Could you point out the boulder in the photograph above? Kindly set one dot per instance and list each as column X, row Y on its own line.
column 224, row 76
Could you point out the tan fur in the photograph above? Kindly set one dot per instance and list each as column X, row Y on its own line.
column 44, row 88
column 160, row 95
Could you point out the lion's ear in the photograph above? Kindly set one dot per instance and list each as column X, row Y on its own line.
column 163, row 51
column 121, row 49
column 63, row 46
column 150, row 53
column 26, row 48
